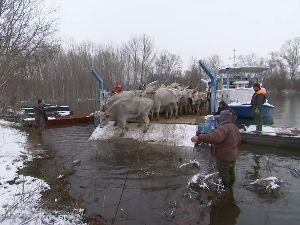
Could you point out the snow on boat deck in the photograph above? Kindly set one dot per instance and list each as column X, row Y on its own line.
column 274, row 131
column 170, row 134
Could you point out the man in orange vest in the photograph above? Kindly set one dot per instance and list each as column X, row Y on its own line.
column 257, row 101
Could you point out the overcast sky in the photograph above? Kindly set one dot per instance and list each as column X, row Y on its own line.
column 189, row 28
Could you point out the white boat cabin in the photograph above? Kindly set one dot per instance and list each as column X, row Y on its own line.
column 239, row 92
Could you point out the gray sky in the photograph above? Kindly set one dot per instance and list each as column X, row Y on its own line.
column 189, row 28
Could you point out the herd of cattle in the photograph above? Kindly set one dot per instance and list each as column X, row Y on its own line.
column 171, row 99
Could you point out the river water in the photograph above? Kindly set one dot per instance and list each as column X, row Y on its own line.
column 136, row 183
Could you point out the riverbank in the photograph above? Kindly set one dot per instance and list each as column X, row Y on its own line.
column 27, row 195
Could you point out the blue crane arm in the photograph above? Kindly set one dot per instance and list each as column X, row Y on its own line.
column 213, row 79
column 100, row 81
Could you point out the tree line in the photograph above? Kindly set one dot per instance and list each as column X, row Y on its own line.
column 35, row 64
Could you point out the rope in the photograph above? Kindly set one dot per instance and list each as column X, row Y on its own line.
column 126, row 180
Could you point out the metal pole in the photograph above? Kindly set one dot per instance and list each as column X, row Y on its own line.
column 213, row 79
column 227, row 73
column 100, row 81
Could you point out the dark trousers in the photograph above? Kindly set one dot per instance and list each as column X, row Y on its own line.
column 227, row 173
column 258, row 121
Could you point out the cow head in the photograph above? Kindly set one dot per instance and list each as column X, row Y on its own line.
column 148, row 92
column 104, row 119
column 104, row 107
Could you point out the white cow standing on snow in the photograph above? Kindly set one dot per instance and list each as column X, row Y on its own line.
column 118, row 96
column 127, row 108
column 162, row 98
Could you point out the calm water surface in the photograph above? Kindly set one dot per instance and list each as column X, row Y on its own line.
column 143, row 184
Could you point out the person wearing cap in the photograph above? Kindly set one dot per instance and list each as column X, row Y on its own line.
column 40, row 115
column 257, row 101
column 224, row 106
column 225, row 140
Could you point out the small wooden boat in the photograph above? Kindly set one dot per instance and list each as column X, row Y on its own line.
column 63, row 120
column 277, row 137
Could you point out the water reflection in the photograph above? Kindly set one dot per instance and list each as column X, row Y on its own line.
column 255, row 175
column 287, row 106
column 144, row 184
column 154, row 190
column 224, row 210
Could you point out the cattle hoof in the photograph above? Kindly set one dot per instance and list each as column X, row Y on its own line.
column 122, row 135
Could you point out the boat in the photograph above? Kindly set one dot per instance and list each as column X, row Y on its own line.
column 270, row 136
column 62, row 120
column 57, row 116
column 51, row 111
column 238, row 95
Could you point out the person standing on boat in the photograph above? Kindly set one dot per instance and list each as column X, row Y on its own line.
column 224, row 106
column 257, row 101
column 40, row 115
column 118, row 88
column 225, row 140
column 208, row 94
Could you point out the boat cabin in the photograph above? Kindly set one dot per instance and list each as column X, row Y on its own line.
column 241, row 84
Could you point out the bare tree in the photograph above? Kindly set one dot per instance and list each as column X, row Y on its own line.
column 167, row 65
column 147, row 55
column 250, row 60
column 214, row 62
column 26, row 28
column 290, row 52
column 194, row 75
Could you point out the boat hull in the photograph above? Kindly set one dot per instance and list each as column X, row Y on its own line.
column 65, row 120
column 268, row 140
column 245, row 111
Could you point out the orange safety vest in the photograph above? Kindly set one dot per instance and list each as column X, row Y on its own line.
column 260, row 92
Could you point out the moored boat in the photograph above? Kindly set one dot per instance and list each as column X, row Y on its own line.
column 270, row 136
column 63, row 120
column 238, row 95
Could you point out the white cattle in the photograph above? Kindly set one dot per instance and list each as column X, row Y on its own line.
column 162, row 98
column 127, row 108
column 198, row 102
column 118, row 96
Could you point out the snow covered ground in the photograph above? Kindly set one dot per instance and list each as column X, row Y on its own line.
column 20, row 195
column 170, row 134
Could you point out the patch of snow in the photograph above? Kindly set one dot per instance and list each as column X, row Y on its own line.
column 268, row 130
column 243, row 104
column 269, row 182
column 64, row 113
column 29, row 119
column 5, row 123
column 170, row 134
column 193, row 162
column 20, row 195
